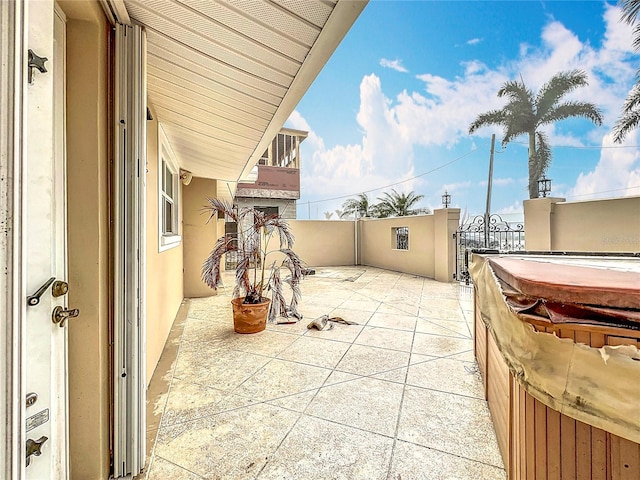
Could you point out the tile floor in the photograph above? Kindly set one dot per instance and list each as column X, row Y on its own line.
column 396, row 397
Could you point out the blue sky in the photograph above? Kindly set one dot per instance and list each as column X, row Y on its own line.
column 395, row 101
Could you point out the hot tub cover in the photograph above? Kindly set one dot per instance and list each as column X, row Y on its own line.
column 598, row 386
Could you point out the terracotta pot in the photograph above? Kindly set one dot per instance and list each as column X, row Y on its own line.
column 249, row 317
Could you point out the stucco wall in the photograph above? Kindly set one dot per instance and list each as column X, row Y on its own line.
column 199, row 236
column 377, row 244
column 611, row 225
column 88, row 147
column 164, row 269
column 324, row 243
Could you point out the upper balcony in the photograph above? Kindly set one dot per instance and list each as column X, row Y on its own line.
column 277, row 174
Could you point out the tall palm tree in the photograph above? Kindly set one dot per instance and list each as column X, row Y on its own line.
column 357, row 207
column 396, row 204
column 630, row 118
column 525, row 113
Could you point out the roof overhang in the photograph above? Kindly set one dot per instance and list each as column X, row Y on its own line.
column 224, row 76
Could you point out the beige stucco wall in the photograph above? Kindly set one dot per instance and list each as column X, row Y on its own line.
column 611, row 225
column 324, row 243
column 377, row 243
column 88, row 148
column 431, row 250
column 164, row 269
column 199, row 235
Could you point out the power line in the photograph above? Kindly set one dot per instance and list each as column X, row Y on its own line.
column 396, row 183
column 583, row 147
column 604, row 191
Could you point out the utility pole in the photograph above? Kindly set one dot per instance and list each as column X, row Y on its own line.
column 487, row 212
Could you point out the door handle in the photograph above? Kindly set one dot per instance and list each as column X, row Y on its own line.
column 34, row 447
column 35, row 298
column 59, row 315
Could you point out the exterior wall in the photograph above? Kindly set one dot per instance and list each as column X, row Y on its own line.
column 597, row 225
column 88, row 150
column 324, row 243
column 164, row 269
column 199, row 236
column 286, row 208
column 431, row 250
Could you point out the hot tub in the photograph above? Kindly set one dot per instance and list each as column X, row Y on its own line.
column 556, row 340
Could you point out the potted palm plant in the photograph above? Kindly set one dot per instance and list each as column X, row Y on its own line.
column 263, row 249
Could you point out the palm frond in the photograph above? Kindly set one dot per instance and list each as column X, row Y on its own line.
column 630, row 112
column 627, row 122
column 492, row 117
column 211, row 274
column 630, row 12
column 561, row 84
column 278, row 302
column 572, row 109
column 543, row 156
column 222, row 208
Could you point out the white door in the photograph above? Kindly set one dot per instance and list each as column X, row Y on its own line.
column 45, row 263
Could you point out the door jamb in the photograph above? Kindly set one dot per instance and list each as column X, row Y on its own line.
column 12, row 279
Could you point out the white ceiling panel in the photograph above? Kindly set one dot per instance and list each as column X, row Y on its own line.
column 224, row 75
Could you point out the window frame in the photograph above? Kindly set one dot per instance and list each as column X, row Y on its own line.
column 395, row 234
column 166, row 157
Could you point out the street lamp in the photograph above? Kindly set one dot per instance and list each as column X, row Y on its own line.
column 446, row 199
column 544, row 186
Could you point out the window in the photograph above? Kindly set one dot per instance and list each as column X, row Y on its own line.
column 168, row 194
column 400, row 238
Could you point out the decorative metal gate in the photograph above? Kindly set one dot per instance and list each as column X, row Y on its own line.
column 488, row 233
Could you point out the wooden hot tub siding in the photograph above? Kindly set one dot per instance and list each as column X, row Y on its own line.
column 539, row 443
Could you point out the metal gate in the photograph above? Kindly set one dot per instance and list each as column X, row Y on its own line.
column 487, row 233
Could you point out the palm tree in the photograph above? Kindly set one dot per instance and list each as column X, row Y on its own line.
column 630, row 118
column 357, row 206
column 328, row 215
column 396, row 204
column 525, row 113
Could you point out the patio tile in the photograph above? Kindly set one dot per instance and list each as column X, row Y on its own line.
column 363, row 305
column 385, row 338
column 222, row 369
column 366, row 403
column 395, row 307
column 441, row 327
column 315, row 351
column 440, row 346
column 234, row 444
column 161, row 469
column 436, row 311
column 364, row 360
column 340, row 377
column 187, row 401
column 279, row 378
column 317, row 449
column 397, row 375
column 467, row 356
column 447, row 376
column 449, row 423
column 292, row 403
column 395, row 320
column 298, row 402
column 413, row 462
column 267, row 342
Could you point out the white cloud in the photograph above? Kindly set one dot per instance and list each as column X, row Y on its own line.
column 393, row 64
column 617, row 174
column 440, row 114
column 498, row 182
column 474, row 41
